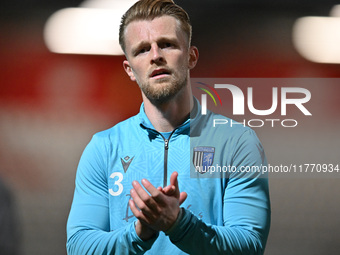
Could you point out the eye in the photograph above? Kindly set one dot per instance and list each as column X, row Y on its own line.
column 166, row 45
column 142, row 50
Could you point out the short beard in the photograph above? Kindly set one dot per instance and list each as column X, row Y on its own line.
column 162, row 94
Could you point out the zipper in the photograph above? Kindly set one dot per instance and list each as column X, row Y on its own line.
column 166, row 149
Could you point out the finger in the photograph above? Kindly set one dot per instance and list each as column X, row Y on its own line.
column 137, row 200
column 169, row 190
column 144, row 197
column 140, row 191
column 174, row 182
column 157, row 195
column 137, row 213
column 173, row 178
column 142, row 206
column 182, row 197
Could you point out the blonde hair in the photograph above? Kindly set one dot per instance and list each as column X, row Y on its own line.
column 150, row 9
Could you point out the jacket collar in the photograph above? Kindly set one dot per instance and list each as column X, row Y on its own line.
column 194, row 116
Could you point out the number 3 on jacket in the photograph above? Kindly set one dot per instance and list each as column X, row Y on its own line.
column 117, row 183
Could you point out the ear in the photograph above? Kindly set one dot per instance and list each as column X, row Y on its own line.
column 193, row 56
column 128, row 70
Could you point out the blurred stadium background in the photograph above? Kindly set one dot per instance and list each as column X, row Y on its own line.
column 51, row 104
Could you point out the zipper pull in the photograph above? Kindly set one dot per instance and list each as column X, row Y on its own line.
column 166, row 143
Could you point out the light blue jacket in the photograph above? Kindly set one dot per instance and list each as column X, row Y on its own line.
column 226, row 212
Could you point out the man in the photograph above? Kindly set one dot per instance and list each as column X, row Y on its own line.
column 127, row 198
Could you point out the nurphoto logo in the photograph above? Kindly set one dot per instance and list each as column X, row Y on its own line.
column 241, row 100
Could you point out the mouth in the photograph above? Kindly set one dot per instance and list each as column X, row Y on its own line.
column 160, row 73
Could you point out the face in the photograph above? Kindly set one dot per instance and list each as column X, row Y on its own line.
column 158, row 57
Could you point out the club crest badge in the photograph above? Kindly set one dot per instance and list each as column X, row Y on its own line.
column 203, row 158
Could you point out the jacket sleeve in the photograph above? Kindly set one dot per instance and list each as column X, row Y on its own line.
column 246, row 212
column 88, row 226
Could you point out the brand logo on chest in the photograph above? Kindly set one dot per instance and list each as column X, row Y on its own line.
column 126, row 161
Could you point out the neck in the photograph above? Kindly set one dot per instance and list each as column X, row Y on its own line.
column 167, row 116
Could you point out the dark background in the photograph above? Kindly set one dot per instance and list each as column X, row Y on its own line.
column 51, row 105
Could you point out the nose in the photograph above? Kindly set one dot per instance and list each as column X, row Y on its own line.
column 156, row 54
